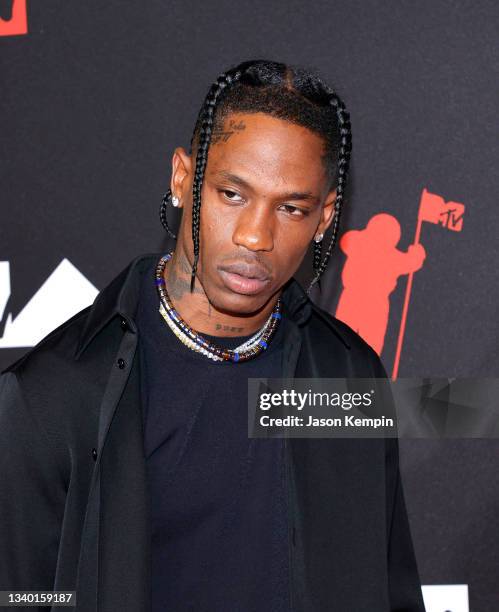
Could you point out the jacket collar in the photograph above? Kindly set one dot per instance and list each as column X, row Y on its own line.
column 121, row 296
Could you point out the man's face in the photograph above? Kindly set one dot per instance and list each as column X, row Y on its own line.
column 264, row 198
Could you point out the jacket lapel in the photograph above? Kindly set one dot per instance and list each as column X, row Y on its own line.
column 125, row 559
column 114, row 562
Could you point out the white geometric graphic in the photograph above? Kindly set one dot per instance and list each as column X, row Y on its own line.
column 446, row 597
column 65, row 292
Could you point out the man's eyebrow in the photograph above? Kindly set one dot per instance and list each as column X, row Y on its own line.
column 292, row 195
column 233, row 178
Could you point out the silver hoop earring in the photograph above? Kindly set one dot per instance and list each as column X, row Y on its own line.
column 175, row 201
column 319, row 237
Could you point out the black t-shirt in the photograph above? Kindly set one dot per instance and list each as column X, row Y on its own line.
column 219, row 509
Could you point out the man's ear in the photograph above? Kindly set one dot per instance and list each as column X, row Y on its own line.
column 181, row 174
column 327, row 214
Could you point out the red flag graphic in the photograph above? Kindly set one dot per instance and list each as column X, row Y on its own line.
column 434, row 209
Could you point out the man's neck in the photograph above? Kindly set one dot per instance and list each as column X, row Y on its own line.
column 195, row 308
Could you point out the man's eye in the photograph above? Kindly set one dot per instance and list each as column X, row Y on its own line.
column 231, row 195
column 294, row 211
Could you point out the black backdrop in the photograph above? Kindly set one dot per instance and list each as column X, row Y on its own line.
column 97, row 94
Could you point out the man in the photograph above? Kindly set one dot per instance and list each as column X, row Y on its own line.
column 128, row 472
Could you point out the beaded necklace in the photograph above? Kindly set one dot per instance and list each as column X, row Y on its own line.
column 195, row 341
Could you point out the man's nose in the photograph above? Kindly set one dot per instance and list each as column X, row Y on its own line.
column 254, row 229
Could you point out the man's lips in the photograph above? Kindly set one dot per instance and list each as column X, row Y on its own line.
column 247, row 279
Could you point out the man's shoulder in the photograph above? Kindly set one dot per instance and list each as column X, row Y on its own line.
column 329, row 331
column 61, row 342
column 56, row 384
column 324, row 321
column 44, row 385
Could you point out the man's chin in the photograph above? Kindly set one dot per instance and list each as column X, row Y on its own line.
column 230, row 302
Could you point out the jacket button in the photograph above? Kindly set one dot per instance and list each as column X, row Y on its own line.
column 94, row 454
column 121, row 363
column 124, row 324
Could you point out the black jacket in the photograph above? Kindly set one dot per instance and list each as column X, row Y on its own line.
column 73, row 499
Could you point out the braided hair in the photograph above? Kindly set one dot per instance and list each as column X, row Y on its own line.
column 286, row 92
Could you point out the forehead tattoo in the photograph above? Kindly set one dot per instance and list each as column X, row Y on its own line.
column 223, row 135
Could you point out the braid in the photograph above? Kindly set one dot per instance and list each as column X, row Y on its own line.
column 206, row 126
column 317, row 255
column 162, row 213
column 345, row 148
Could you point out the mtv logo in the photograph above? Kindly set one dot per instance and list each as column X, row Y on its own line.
column 446, row 597
column 18, row 22
column 452, row 216
column 434, row 209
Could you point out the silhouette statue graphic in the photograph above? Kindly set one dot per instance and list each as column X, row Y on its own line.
column 370, row 274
